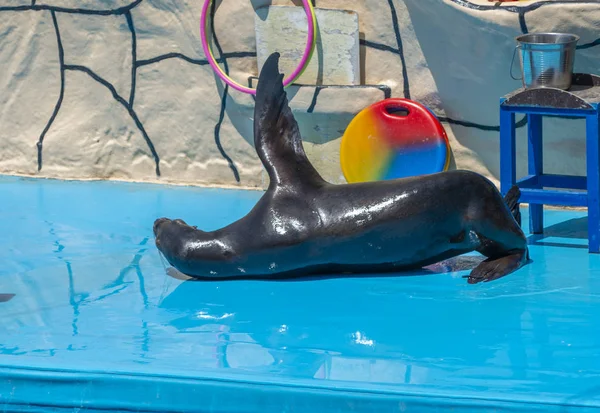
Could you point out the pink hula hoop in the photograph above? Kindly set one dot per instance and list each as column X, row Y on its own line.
column 308, row 50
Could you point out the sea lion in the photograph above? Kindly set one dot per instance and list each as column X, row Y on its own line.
column 304, row 225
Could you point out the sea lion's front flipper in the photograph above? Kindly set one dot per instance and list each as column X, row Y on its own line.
column 276, row 134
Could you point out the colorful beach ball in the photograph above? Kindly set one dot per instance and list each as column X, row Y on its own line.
column 394, row 138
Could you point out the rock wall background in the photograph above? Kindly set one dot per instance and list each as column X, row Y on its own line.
column 121, row 89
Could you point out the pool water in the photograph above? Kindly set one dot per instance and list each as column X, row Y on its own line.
column 92, row 320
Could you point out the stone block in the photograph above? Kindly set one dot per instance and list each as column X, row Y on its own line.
column 93, row 135
column 336, row 58
column 100, row 43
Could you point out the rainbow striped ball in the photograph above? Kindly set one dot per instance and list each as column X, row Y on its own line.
column 394, row 138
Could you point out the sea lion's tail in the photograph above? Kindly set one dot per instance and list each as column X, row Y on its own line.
column 512, row 201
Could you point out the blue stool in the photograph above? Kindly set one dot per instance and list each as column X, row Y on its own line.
column 539, row 189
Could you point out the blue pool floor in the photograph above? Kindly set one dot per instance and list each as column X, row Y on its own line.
column 97, row 324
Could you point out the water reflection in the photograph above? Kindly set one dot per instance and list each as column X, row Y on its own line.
column 348, row 330
column 75, row 299
column 134, row 265
column 41, row 308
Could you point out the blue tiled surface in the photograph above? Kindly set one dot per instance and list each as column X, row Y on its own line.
column 97, row 324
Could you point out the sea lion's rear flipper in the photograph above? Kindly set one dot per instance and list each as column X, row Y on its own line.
column 512, row 201
column 276, row 134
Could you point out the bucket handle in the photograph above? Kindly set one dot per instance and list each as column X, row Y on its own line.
column 512, row 63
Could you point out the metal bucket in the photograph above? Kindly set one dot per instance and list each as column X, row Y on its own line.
column 546, row 59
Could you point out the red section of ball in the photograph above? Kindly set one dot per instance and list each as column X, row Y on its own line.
column 403, row 122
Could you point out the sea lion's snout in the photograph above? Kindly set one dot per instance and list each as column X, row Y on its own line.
column 158, row 223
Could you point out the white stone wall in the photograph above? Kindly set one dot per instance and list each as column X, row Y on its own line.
column 121, row 89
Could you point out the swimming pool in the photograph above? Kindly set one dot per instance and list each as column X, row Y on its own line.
column 96, row 323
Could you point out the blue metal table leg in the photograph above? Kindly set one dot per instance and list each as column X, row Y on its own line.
column 536, row 168
column 593, row 181
column 508, row 159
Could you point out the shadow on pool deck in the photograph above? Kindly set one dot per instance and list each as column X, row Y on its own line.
column 572, row 229
column 455, row 264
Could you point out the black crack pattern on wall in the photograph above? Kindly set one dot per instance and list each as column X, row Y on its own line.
column 522, row 10
column 516, row 8
column 522, row 22
column 61, row 94
column 219, row 124
column 125, row 104
column 109, row 12
column 313, row 103
column 128, row 104
column 200, row 62
column 400, row 49
column 129, row 18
